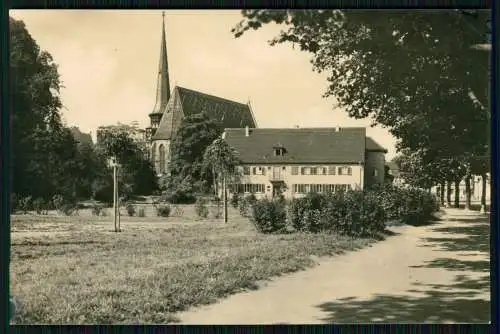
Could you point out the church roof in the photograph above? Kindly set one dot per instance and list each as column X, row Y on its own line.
column 229, row 114
column 303, row 145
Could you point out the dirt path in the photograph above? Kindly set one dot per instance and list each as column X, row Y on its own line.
column 436, row 274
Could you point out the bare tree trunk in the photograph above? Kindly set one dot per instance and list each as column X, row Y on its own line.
column 468, row 192
column 483, row 192
column 448, row 193
column 214, row 175
column 224, row 189
column 457, row 194
column 441, row 192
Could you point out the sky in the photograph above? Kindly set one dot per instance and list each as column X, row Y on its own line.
column 108, row 63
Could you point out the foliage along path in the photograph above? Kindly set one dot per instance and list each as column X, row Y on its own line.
column 436, row 274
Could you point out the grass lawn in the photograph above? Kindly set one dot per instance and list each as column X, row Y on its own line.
column 76, row 270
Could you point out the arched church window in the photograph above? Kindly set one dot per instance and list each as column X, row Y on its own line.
column 161, row 151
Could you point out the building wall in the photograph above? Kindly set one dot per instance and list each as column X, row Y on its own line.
column 354, row 180
column 155, row 154
column 173, row 114
column 374, row 168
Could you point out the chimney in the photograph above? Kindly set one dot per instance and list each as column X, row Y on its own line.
column 247, row 131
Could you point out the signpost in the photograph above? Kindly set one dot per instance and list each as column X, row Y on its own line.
column 116, row 208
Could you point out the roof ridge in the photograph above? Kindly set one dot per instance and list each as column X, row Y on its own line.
column 210, row 95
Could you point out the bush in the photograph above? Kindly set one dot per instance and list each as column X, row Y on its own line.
column 24, row 204
column 245, row 205
column 298, row 214
column 201, row 208
column 234, row 200
column 163, row 211
column 180, row 197
column 57, row 202
column 141, row 213
column 14, row 203
column 68, row 209
column 97, row 209
column 130, row 209
column 40, row 206
column 216, row 211
column 269, row 216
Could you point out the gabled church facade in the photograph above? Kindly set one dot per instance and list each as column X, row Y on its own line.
column 172, row 106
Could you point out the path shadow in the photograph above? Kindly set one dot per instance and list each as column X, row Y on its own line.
column 457, row 265
column 461, row 302
column 473, row 237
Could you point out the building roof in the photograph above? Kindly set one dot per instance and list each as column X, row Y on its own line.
column 373, row 146
column 229, row 114
column 162, row 83
column 303, row 145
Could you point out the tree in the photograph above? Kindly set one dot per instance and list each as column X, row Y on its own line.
column 222, row 159
column 137, row 176
column 43, row 150
column 414, row 73
column 192, row 138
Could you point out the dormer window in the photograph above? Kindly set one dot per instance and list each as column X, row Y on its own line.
column 279, row 150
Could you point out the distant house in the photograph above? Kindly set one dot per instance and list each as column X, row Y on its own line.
column 80, row 137
column 294, row 162
column 396, row 173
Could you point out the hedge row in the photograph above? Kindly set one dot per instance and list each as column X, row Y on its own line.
column 354, row 213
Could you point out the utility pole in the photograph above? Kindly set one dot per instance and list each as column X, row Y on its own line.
column 116, row 212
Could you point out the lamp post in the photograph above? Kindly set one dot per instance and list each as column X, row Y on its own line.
column 116, row 213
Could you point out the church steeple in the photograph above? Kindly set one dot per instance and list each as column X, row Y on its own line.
column 162, row 84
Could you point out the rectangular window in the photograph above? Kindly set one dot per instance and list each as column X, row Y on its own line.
column 314, row 171
column 375, row 172
column 295, row 170
column 324, row 170
column 307, row 171
column 246, row 170
column 345, row 171
column 258, row 170
column 331, row 170
column 307, row 188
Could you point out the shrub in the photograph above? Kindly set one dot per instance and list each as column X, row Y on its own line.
column 298, row 214
column 14, row 203
column 216, row 211
column 141, row 213
column 130, row 209
column 245, row 205
column 40, row 206
column 269, row 216
column 234, row 200
column 179, row 197
column 57, row 202
column 201, row 208
column 25, row 204
column 163, row 210
column 97, row 209
column 68, row 209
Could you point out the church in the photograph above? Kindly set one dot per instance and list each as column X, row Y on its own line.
column 173, row 105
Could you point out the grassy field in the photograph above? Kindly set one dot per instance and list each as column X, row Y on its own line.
column 76, row 270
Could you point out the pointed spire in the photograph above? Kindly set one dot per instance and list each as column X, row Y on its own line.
column 163, row 84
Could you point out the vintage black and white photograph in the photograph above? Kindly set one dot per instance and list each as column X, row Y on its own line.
column 250, row 166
